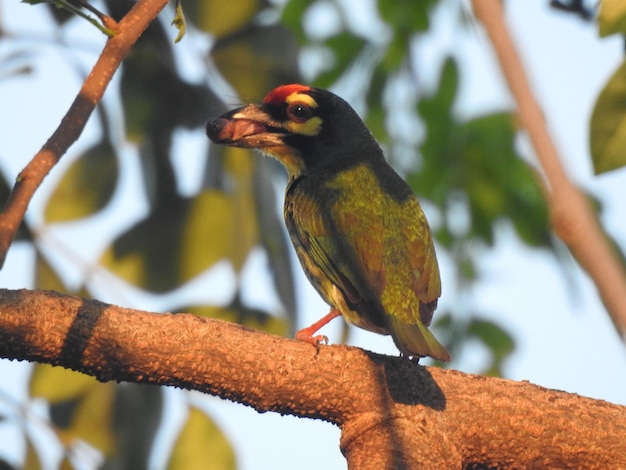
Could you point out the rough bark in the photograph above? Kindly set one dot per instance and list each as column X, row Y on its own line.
column 393, row 414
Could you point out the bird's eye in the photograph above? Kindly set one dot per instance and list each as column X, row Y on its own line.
column 299, row 112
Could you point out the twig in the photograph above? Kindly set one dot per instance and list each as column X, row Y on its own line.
column 108, row 24
column 572, row 216
column 128, row 31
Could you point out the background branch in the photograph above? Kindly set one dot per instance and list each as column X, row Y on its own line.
column 71, row 126
column 415, row 417
column 573, row 218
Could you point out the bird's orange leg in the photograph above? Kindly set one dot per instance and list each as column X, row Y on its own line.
column 306, row 334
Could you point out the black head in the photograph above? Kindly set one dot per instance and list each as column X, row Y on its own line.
column 305, row 128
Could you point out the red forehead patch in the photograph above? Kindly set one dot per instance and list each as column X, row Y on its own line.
column 280, row 94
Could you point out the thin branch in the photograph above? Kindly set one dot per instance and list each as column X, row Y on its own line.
column 414, row 417
column 573, row 218
column 129, row 29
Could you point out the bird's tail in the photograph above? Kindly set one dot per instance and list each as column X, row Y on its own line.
column 417, row 340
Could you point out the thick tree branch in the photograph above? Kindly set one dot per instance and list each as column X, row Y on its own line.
column 573, row 219
column 393, row 413
column 30, row 178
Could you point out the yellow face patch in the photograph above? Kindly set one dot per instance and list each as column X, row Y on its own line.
column 311, row 126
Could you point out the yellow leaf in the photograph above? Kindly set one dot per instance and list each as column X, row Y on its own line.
column 86, row 187
column 240, row 164
column 131, row 268
column 207, row 233
column 66, row 464
column 222, row 224
column 46, row 277
column 56, row 384
column 223, row 18
column 201, row 445
column 92, row 420
column 612, row 17
column 608, row 125
column 32, row 458
column 259, row 59
column 256, row 319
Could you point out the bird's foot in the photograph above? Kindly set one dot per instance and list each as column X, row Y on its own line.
column 307, row 336
column 412, row 358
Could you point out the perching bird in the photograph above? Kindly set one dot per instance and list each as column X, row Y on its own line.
column 357, row 227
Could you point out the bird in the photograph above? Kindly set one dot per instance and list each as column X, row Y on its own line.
column 357, row 227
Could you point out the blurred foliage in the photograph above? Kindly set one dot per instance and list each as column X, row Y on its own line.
column 477, row 166
column 467, row 169
column 608, row 122
column 88, row 184
column 201, row 445
column 612, row 17
column 608, row 125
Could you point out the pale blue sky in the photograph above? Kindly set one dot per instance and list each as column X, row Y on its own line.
column 565, row 338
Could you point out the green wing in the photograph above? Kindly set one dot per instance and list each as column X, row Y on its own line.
column 325, row 242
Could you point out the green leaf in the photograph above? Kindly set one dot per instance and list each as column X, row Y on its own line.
column 448, row 84
column 396, row 53
column 499, row 342
column 291, row 17
column 475, row 164
column 608, row 125
column 87, row 186
column 612, row 17
column 406, row 15
column 499, row 184
column 440, row 144
column 346, row 48
column 376, row 115
column 202, row 445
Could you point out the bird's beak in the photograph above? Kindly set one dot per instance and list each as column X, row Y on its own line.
column 248, row 127
column 251, row 127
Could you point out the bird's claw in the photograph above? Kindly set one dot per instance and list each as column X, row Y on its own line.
column 415, row 359
column 316, row 340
